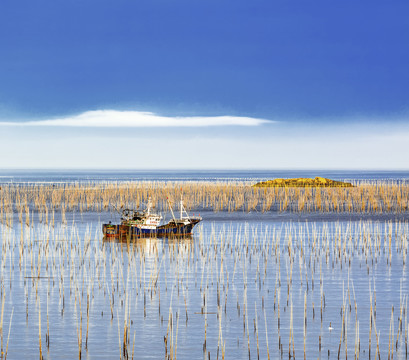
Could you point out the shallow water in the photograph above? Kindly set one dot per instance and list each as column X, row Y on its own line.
column 84, row 176
column 241, row 263
column 233, row 284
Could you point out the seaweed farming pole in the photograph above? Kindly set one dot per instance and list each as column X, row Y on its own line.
column 305, row 320
column 1, row 321
column 8, row 337
column 265, row 325
column 39, row 330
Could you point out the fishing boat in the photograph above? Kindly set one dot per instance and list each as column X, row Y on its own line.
column 146, row 223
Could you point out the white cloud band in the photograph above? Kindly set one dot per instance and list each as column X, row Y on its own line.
column 113, row 118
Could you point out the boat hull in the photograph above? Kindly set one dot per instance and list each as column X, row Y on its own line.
column 122, row 231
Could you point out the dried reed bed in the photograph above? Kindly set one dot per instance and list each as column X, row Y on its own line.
column 44, row 200
column 214, row 289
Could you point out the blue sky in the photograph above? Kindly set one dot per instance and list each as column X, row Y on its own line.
column 212, row 84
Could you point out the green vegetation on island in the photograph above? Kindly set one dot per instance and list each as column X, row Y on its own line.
column 303, row 182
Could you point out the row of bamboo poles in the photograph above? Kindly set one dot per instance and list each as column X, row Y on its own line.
column 285, row 272
column 375, row 198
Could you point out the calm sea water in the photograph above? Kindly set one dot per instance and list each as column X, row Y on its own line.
column 25, row 176
column 231, row 287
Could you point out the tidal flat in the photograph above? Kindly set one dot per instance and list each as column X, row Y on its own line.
column 276, row 273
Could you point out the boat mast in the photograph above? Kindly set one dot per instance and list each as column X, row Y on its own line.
column 171, row 210
column 181, row 206
column 149, row 205
column 182, row 209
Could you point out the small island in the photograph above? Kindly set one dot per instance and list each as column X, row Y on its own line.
column 303, row 182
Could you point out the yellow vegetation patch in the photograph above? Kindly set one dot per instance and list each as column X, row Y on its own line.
column 303, row 182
